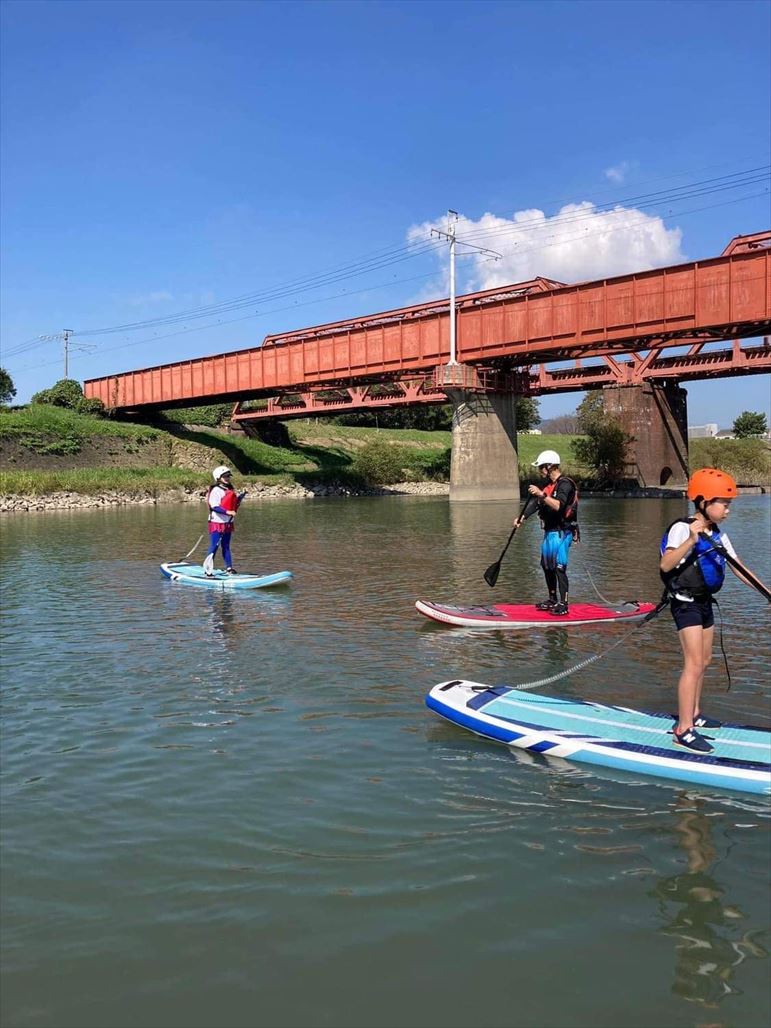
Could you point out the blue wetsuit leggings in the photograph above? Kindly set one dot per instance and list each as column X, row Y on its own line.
column 220, row 538
column 555, row 550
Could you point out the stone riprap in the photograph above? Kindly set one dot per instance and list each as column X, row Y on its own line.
column 24, row 504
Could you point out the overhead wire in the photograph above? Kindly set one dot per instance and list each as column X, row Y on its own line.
column 366, row 289
column 527, row 225
column 390, row 256
column 620, row 228
column 299, row 285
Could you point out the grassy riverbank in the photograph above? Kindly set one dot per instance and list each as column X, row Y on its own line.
column 46, row 449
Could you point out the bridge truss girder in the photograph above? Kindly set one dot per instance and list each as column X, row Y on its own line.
column 536, row 380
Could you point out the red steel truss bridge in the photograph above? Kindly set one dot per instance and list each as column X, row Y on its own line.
column 531, row 338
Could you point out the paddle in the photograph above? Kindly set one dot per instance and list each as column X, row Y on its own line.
column 746, row 574
column 491, row 575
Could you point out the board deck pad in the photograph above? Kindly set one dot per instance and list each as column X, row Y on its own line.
column 194, row 574
column 522, row 615
column 605, row 735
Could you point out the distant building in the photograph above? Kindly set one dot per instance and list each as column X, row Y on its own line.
column 702, row 431
column 534, row 431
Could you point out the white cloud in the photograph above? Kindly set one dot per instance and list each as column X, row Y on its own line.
column 618, row 172
column 576, row 244
column 145, row 299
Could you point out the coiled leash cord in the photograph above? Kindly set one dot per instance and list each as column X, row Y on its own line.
column 663, row 602
column 722, row 648
column 524, row 686
column 611, row 603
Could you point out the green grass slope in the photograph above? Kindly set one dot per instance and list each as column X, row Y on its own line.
column 316, row 452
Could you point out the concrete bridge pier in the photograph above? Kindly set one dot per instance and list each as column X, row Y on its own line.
column 484, row 464
column 655, row 414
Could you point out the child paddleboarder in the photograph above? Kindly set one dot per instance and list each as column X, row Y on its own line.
column 694, row 553
column 223, row 503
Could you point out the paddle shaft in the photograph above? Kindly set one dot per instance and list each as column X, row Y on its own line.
column 491, row 575
column 512, row 533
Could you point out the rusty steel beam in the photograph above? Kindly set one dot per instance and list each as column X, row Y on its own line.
column 750, row 360
column 538, row 381
column 424, row 389
column 742, row 244
column 315, row 402
column 721, row 298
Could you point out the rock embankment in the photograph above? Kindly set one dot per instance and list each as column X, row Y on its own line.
column 24, row 504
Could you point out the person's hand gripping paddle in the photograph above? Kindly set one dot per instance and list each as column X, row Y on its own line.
column 491, row 575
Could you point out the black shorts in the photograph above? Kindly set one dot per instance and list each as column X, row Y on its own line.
column 698, row 613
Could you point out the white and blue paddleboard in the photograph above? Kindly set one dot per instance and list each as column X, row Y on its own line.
column 607, row 736
column 194, row 574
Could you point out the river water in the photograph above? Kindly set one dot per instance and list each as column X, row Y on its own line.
column 235, row 810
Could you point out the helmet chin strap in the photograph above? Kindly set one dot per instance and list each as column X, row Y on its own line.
column 701, row 507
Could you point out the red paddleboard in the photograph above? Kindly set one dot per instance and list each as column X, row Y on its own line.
column 523, row 615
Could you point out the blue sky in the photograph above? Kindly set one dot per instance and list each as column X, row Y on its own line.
column 159, row 156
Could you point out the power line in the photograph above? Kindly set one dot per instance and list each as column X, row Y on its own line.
column 389, row 256
column 383, row 285
column 298, row 286
column 529, row 224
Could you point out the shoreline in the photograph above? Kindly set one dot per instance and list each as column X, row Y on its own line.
column 67, row 500
column 21, row 503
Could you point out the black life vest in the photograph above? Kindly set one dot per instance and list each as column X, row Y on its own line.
column 569, row 518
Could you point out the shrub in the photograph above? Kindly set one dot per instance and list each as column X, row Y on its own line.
column 604, row 447
column 69, row 393
column 378, row 463
column 438, row 467
column 212, row 415
column 528, row 415
column 7, row 388
column 750, row 423
column 65, row 444
column 748, row 460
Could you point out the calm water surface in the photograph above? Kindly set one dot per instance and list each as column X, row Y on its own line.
column 235, row 810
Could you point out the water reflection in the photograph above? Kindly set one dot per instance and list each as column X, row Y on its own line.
column 708, row 944
column 286, row 733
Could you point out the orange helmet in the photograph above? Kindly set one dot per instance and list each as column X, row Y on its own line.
column 709, row 483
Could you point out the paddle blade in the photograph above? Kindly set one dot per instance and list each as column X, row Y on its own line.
column 491, row 575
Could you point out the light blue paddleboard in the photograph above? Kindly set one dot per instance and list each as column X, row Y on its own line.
column 194, row 574
column 607, row 736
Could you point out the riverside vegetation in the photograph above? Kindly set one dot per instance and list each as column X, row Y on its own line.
column 48, row 449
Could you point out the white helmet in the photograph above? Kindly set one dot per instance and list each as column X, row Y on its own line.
column 546, row 457
column 220, row 471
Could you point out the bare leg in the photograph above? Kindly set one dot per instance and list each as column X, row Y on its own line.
column 707, row 637
column 692, row 677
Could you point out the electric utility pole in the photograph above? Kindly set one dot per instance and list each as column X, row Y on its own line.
column 66, row 333
column 451, row 237
column 64, row 337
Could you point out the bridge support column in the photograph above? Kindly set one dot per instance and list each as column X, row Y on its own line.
column 656, row 416
column 484, row 464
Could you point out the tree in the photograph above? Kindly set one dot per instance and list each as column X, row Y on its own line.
column 7, row 388
column 68, row 393
column 427, row 418
column 604, row 448
column 527, row 413
column 562, row 424
column 750, row 423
